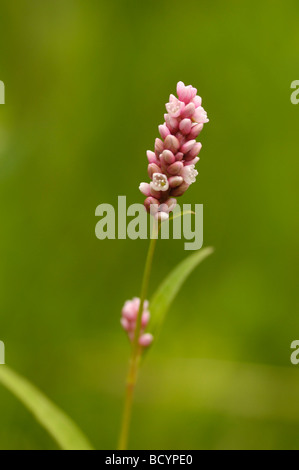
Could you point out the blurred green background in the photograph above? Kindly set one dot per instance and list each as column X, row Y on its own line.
column 86, row 83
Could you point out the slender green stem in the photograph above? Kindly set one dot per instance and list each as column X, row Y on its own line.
column 136, row 350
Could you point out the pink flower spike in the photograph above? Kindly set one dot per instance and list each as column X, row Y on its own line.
column 172, row 165
column 146, row 340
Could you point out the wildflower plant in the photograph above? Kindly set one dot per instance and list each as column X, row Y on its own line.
column 171, row 170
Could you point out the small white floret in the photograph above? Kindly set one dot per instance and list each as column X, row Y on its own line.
column 159, row 182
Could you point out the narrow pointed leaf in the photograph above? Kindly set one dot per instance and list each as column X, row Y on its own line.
column 167, row 291
column 63, row 430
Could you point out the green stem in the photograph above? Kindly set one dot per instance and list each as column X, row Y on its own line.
column 136, row 350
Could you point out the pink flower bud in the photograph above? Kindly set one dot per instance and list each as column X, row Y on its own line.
column 145, row 188
column 168, row 206
column 167, row 157
column 179, row 156
column 172, row 123
column 159, row 147
column 171, row 143
column 146, row 340
column 192, row 162
column 181, row 138
column 175, row 168
column 153, row 168
column 197, row 101
column 185, row 126
column 149, row 202
column 151, row 156
column 180, row 89
column 188, row 146
column 175, row 181
column 164, row 131
column 129, row 312
column 195, row 150
column 188, row 111
column 155, row 193
column 180, row 190
column 195, row 131
column 190, row 93
column 129, row 317
column 171, row 203
column 185, row 93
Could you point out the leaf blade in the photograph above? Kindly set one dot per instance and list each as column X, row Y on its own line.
column 169, row 288
column 62, row 429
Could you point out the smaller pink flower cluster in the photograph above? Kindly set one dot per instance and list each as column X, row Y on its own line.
column 172, row 165
column 128, row 320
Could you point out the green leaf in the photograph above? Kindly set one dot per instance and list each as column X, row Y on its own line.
column 64, row 431
column 167, row 291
